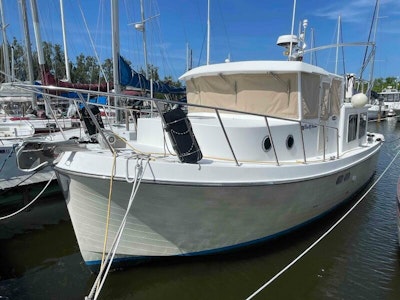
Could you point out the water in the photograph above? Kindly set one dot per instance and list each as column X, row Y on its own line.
column 360, row 259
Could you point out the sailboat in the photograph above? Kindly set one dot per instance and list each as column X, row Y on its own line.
column 16, row 126
column 260, row 149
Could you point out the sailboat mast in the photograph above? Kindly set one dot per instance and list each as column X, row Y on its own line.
column 337, row 44
column 28, row 48
column 208, row 33
column 115, row 52
column 371, row 75
column 67, row 70
column 39, row 48
column 146, row 67
column 5, row 44
column 38, row 38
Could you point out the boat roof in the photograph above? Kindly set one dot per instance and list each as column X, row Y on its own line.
column 389, row 91
column 253, row 67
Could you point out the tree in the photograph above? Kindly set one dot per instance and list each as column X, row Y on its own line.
column 380, row 83
column 20, row 61
column 107, row 67
column 85, row 69
column 169, row 80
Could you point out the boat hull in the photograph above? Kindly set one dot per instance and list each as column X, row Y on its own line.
column 172, row 219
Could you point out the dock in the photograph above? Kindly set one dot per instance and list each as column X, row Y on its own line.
column 21, row 189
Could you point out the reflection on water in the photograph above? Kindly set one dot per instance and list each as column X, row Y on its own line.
column 360, row 259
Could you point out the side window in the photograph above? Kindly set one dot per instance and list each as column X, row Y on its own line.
column 352, row 133
column 363, row 125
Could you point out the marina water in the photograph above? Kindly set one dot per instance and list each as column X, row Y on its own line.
column 359, row 259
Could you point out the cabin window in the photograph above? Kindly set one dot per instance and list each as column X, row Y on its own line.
column 352, row 129
column 289, row 141
column 339, row 180
column 346, row 176
column 363, row 125
column 266, row 145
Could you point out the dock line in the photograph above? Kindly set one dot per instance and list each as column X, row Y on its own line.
column 107, row 262
column 324, row 235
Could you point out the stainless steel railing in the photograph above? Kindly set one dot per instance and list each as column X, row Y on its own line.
column 84, row 95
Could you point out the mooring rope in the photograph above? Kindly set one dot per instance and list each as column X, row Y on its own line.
column 105, row 268
column 113, row 169
column 324, row 235
column 30, row 203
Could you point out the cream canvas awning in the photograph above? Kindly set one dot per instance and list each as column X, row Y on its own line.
column 266, row 94
column 273, row 94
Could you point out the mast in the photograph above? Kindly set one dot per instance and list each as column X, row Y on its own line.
column 38, row 38
column 292, row 31
column 12, row 64
column 371, row 76
column 5, row 44
column 28, row 48
column 144, row 39
column 312, row 46
column 115, row 52
column 208, row 33
column 39, row 48
column 142, row 28
column 67, row 70
column 337, row 44
column 189, row 57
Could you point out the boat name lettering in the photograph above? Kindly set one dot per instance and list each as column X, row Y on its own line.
column 308, row 126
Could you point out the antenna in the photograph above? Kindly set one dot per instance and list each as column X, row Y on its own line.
column 291, row 33
column 294, row 45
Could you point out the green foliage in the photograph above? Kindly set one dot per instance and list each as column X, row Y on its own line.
column 380, row 83
column 85, row 69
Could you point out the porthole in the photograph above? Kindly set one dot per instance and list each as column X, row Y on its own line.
column 346, row 176
column 339, row 180
column 266, row 144
column 289, row 141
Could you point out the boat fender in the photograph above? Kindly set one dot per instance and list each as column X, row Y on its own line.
column 359, row 100
column 181, row 134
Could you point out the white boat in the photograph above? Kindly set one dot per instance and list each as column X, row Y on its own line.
column 15, row 130
column 378, row 110
column 16, row 106
column 11, row 134
column 266, row 147
column 391, row 98
column 260, row 149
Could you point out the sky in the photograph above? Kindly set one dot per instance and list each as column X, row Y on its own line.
column 239, row 30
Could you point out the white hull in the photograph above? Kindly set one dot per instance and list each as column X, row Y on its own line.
column 169, row 219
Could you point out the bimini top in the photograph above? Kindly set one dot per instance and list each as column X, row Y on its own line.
column 253, row 67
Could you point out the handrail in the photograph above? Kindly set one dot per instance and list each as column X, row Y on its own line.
column 171, row 102
column 226, row 137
